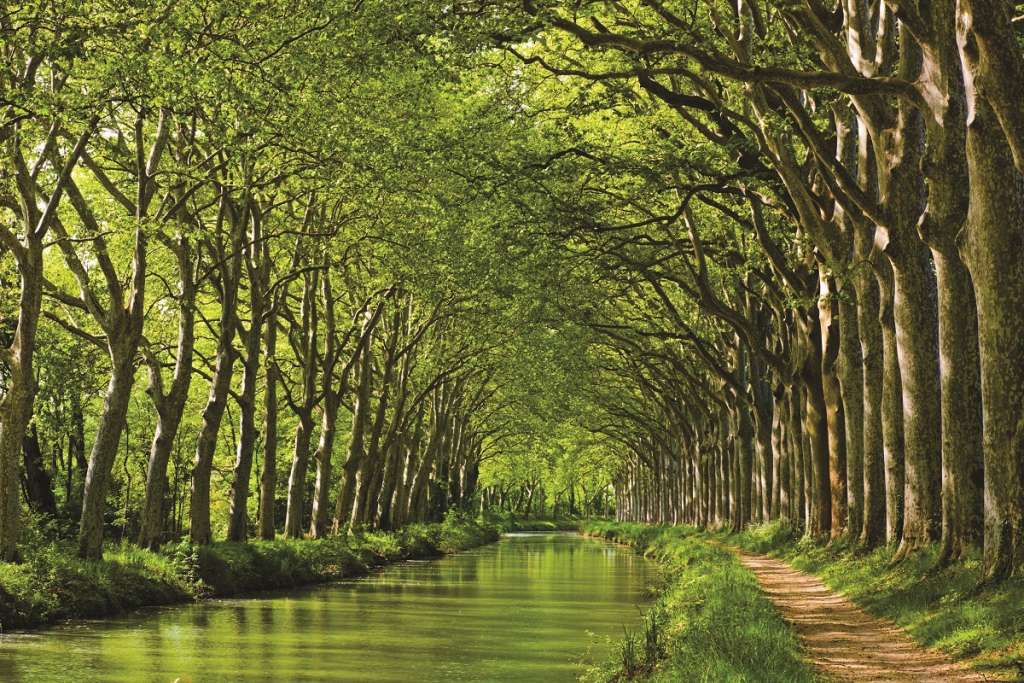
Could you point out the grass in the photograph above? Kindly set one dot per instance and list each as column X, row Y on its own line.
column 53, row 584
column 711, row 622
column 948, row 609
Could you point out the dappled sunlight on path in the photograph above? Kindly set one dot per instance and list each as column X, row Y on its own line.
column 844, row 641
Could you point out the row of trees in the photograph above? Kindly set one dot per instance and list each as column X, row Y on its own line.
column 758, row 261
column 235, row 218
column 809, row 222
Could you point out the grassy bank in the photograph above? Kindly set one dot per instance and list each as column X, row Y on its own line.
column 711, row 621
column 946, row 608
column 53, row 584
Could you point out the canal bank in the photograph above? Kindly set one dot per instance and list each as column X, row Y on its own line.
column 530, row 607
column 53, row 584
column 711, row 621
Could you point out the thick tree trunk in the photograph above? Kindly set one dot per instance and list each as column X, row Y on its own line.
column 797, row 458
column 16, row 403
column 992, row 250
column 892, row 404
column 961, row 408
column 815, row 430
column 849, row 369
column 916, row 317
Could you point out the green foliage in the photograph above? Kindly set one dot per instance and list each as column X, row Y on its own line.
column 711, row 622
column 508, row 522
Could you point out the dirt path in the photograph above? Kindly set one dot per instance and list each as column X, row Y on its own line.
column 844, row 641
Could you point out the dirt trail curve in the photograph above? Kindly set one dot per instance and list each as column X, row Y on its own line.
column 844, row 641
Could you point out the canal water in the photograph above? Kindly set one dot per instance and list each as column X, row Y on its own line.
column 532, row 607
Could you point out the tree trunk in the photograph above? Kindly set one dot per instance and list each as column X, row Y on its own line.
column 206, row 443
column 306, row 351
column 830, row 341
column 356, row 447
column 295, row 512
column 268, row 476
column 38, row 483
column 994, row 242
column 104, row 450
column 849, row 369
column 16, row 403
column 916, row 317
column 961, row 408
column 815, row 429
column 238, row 511
column 169, row 408
column 870, row 335
column 324, row 450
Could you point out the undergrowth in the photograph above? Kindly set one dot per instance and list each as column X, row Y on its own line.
column 53, row 584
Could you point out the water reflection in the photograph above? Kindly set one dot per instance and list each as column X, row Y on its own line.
column 526, row 608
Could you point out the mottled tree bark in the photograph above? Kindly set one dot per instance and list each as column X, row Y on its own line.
column 993, row 241
column 357, row 441
column 306, row 352
column 268, row 473
column 170, row 406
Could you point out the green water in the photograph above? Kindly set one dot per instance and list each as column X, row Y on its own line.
column 528, row 608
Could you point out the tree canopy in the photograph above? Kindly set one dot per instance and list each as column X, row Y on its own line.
column 297, row 268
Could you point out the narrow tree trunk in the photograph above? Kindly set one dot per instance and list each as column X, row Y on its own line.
column 268, row 476
column 306, row 350
column 324, row 450
column 830, row 340
column 295, row 512
column 170, row 407
column 104, row 450
column 238, row 501
column 870, row 335
column 892, row 405
column 38, row 483
column 206, row 443
column 356, row 446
